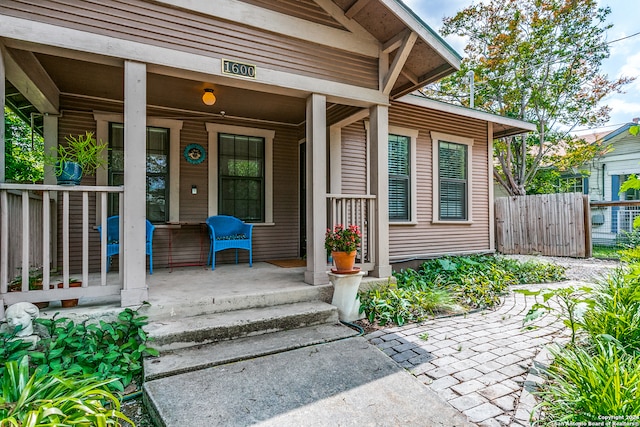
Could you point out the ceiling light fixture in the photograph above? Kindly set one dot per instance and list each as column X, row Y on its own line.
column 208, row 97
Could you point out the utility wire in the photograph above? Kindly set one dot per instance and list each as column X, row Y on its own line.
column 624, row 38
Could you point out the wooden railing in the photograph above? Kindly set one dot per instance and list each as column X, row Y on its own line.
column 347, row 209
column 34, row 234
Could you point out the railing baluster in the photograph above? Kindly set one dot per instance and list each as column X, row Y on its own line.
column 46, row 240
column 85, row 239
column 65, row 239
column 25, row 240
column 4, row 241
column 103, row 239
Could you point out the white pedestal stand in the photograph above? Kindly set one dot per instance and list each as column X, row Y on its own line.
column 345, row 295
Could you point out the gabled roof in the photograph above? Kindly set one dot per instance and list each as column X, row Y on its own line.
column 621, row 130
column 429, row 58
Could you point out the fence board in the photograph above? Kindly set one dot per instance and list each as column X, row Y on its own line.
column 546, row 224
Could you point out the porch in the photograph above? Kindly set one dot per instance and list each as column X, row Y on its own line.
column 53, row 230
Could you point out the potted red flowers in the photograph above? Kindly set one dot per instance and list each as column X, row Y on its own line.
column 343, row 243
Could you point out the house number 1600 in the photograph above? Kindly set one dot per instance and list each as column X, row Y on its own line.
column 238, row 69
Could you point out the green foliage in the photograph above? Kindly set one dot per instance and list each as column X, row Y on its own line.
column 24, row 157
column 105, row 350
column 392, row 304
column 528, row 66
column 81, row 149
column 440, row 284
column 587, row 385
column 571, row 302
column 616, row 311
column 55, row 400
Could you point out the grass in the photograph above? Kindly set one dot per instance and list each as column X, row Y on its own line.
column 606, row 252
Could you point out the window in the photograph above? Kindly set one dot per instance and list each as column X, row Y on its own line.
column 630, row 194
column 241, row 172
column 399, row 178
column 241, row 176
column 571, row 184
column 451, row 176
column 157, row 170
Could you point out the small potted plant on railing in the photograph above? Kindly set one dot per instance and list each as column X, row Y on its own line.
column 343, row 243
column 35, row 284
column 82, row 155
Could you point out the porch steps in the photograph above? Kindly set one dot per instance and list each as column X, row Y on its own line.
column 168, row 335
column 219, row 353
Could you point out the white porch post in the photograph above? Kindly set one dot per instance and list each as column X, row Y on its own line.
column 3, row 76
column 133, row 256
column 3, row 246
column 50, row 133
column 316, row 273
column 379, row 119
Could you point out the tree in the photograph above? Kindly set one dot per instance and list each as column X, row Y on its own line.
column 534, row 60
column 24, row 157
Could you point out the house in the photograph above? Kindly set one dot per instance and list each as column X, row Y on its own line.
column 606, row 174
column 292, row 115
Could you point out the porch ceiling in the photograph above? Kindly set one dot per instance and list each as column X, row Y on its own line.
column 76, row 77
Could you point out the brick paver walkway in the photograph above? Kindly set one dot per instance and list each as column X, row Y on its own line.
column 477, row 362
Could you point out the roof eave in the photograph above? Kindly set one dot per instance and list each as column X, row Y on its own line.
column 509, row 126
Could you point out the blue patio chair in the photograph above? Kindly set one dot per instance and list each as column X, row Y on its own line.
column 228, row 232
column 113, row 240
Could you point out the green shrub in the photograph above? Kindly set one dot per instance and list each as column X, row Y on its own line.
column 472, row 281
column 391, row 304
column 55, row 400
column 107, row 350
column 616, row 311
column 585, row 386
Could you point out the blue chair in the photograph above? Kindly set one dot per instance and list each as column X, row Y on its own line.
column 228, row 232
column 113, row 240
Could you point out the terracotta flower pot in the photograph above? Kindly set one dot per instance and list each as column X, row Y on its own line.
column 344, row 261
column 67, row 303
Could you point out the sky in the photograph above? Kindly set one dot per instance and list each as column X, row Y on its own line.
column 624, row 59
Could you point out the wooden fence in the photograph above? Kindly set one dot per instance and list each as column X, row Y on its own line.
column 547, row 224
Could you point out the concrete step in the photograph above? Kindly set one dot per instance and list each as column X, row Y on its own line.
column 186, row 332
column 197, row 305
column 208, row 355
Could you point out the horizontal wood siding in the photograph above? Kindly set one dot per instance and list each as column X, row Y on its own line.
column 426, row 238
column 78, row 119
column 182, row 30
column 303, row 9
column 190, row 243
column 354, row 159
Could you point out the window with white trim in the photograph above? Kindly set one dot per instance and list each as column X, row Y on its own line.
column 241, row 172
column 451, row 178
column 399, row 178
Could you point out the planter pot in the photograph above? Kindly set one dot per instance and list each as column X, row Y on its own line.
column 344, row 262
column 67, row 303
column 70, row 173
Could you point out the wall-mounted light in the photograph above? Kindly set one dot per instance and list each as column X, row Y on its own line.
column 194, row 189
column 208, row 97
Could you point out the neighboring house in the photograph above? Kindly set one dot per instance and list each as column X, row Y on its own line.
column 607, row 173
column 314, row 124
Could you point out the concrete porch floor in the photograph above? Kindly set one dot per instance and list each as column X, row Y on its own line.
column 190, row 291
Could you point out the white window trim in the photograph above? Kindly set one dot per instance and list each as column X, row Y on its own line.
column 413, row 178
column 436, row 137
column 175, row 126
column 214, row 129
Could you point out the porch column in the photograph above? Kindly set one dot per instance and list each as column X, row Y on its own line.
column 50, row 133
column 133, row 256
column 379, row 122
column 316, row 273
column 3, row 76
column 4, row 247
